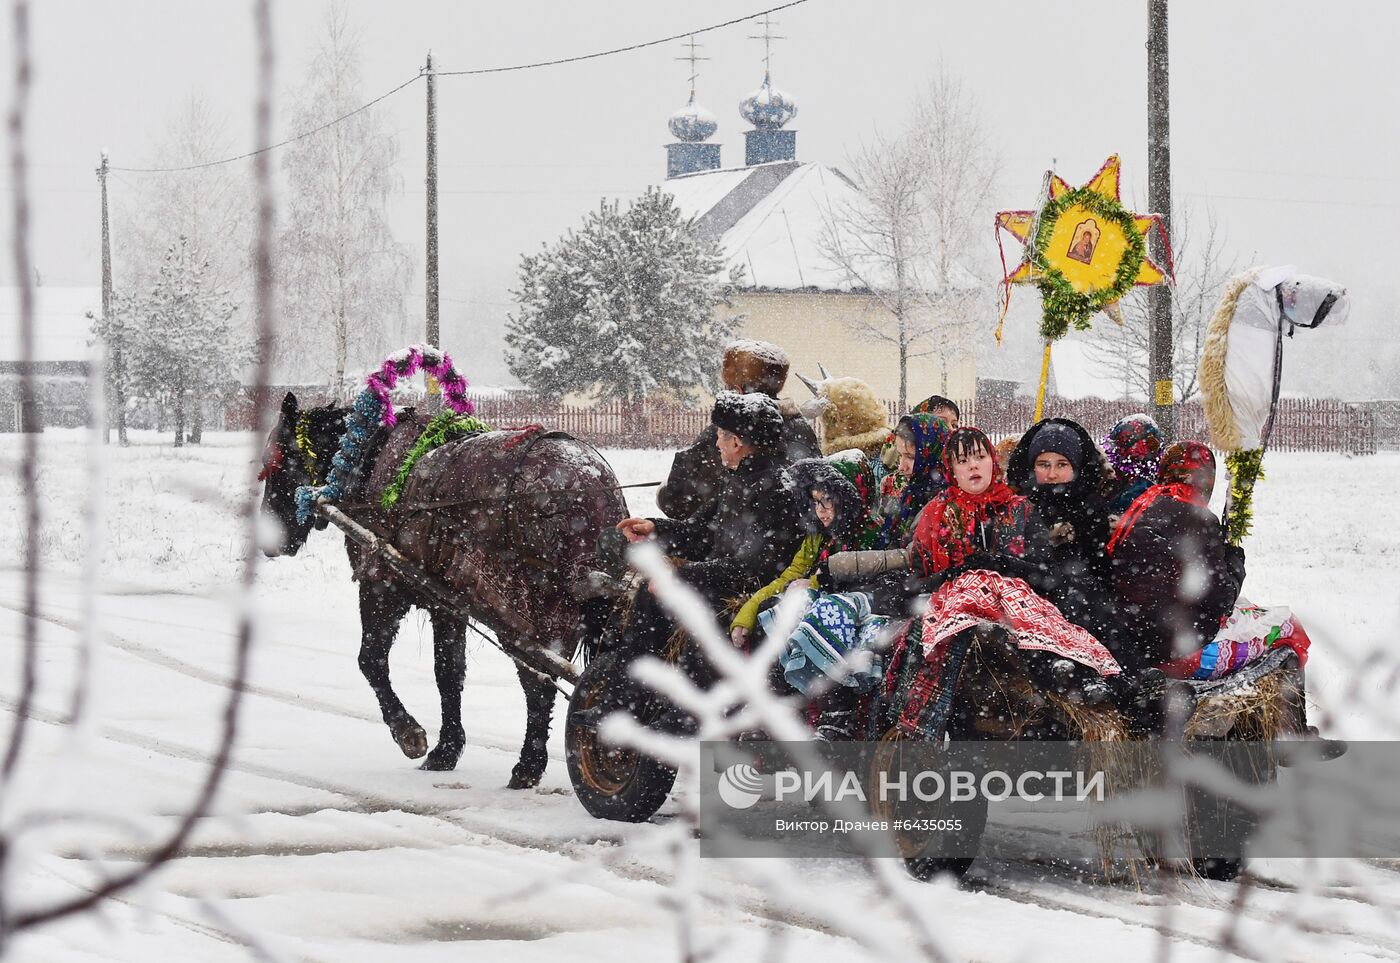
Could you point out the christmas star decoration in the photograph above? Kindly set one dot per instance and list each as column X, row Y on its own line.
column 1084, row 251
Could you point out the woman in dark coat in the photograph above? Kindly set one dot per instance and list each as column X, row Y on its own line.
column 1175, row 575
column 1062, row 473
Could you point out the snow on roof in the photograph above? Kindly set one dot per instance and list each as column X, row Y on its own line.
column 697, row 194
column 1077, row 374
column 778, row 236
column 778, row 242
column 61, row 325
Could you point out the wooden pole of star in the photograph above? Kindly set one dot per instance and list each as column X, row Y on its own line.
column 1159, row 200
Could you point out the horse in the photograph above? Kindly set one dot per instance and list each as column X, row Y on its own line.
column 508, row 519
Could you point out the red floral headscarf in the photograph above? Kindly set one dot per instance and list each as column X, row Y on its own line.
column 1192, row 464
column 946, row 533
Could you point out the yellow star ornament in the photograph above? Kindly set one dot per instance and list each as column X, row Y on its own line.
column 1083, row 249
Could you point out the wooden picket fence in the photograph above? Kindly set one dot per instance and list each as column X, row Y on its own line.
column 1303, row 424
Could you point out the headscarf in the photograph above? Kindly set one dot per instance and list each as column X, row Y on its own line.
column 849, row 481
column 948, row 531
column 1134, row 448
column 1192, row 464
column 927, row 480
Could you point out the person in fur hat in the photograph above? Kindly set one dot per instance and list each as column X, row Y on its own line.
column 696, row 473
column 738, row 540
column 853, row 417
column 1175, row 575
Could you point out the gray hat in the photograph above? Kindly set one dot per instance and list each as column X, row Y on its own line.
column 1060, row 439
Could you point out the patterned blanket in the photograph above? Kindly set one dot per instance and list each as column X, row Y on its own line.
column 836, row 641
column 928, row 685
column 1246, row 634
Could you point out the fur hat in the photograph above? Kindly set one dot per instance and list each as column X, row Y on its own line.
column 754, row 366
column 754, row 417
column 853, row 417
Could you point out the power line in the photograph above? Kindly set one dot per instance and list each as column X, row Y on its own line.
column 458, row 73
column 284, row 143
column 617, row 50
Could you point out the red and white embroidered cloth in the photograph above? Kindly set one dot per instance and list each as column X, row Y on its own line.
column 1035, row 623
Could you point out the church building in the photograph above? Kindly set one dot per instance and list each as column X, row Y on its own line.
column 774, row 217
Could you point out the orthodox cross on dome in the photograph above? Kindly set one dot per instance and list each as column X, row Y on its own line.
column 768, row 37
column 694, row 58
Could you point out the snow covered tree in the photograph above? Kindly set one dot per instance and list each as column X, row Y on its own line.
column 181, row 345
column 625, row 306
column 344, row 274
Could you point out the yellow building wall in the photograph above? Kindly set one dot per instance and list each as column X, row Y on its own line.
column 816, row 328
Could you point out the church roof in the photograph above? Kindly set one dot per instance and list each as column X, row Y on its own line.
column 61, row 325
column 771, row 220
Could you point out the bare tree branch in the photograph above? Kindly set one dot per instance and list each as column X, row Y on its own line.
column 906, row 240
column 1202, row 271
column 262, row 264
column 29, row 457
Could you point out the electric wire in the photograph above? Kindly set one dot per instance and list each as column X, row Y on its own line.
column 457, row 73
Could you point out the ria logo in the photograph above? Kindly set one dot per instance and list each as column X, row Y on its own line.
column 740, row 786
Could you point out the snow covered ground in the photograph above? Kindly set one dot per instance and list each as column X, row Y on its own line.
column 326, row 844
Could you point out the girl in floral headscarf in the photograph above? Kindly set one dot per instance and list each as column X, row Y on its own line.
column 971, row 541
column 919, row 439
column 1134, row 449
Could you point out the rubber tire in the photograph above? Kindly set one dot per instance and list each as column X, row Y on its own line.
column 612, row 783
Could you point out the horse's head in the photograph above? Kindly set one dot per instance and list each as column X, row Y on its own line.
column 284, row 470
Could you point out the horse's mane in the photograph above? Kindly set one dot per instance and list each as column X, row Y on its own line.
column 323, row 427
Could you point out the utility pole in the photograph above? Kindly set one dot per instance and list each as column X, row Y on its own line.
column 114, row 344
column 431, row 268
column 1159, row 200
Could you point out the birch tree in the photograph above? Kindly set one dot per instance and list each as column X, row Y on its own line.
column 210, row 207
column 910, row 238
column 344, row 274
column 1202, row 270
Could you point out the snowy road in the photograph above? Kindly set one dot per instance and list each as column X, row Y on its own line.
column 326, row 844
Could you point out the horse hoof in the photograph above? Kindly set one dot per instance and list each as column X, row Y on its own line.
column 413, row 741
column 441, row 759
column 522, row 779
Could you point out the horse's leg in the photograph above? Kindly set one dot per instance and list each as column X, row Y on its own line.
column 382, row 608
column 539, row 708
column 450, row 668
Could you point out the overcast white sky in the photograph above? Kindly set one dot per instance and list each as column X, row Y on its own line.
column 1283, row 114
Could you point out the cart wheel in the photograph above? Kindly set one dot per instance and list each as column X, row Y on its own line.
column 973, row 815
column 613, row 782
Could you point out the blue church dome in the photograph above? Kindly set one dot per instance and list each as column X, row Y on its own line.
column 692, row 123
column 768, row 106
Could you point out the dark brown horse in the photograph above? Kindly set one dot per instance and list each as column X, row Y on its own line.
column 508, row 519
